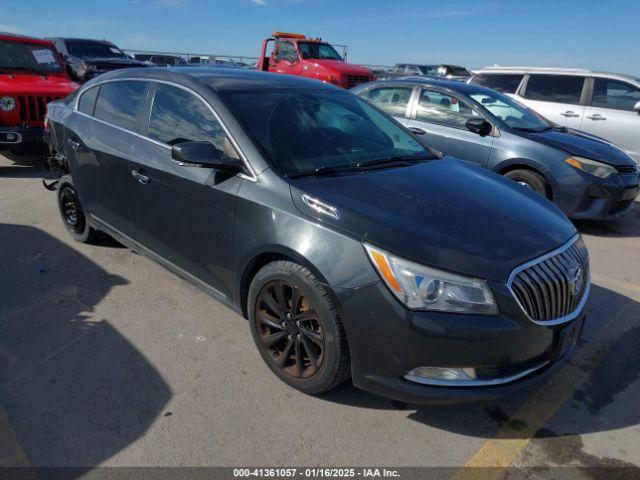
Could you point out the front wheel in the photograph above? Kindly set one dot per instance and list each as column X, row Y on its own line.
column 532, row 180
column 296, row 328
column 73, row 216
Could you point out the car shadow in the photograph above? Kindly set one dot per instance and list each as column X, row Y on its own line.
column 619, row 368
column 73, row 390
column 627, row 226
column 27, row 165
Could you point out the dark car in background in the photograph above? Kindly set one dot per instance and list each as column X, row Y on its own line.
column 352, row 249
column 587, row 177
column 161, row 59
column 448, row 72
column 85, row 58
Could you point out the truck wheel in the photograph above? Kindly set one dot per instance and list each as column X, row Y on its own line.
column 73, row 216
column 296, row 328
column 532, row 180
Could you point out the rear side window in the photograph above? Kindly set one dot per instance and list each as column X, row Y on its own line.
column 393, row 100
column 119, row 103
column 178, row 116
column 505, row 83
column 555, row 88
column 614, row 94
column 88, row 100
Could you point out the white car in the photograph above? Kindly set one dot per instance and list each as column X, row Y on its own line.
column 603, row 104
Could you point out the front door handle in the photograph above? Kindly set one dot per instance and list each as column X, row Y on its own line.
column 140, row 176
column 570, row 114
column 418, row 130
column 74, row 145
column 596, row 116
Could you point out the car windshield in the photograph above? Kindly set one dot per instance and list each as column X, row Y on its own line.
column 302, row 131
column 90, row 49
column 18, row 56
column 511, row 112
column 318, row 50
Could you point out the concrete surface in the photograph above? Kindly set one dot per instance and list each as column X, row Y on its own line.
column 108, row 359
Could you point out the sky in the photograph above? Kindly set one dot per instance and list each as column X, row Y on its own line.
column 594, row 34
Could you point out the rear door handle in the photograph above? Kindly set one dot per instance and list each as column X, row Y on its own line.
column 74, row 145
column 418, row 130
column 570, row 113
column 596, row 116
column 140, row 176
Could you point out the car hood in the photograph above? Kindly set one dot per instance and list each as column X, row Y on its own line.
column 36, row 84
column 442, row 213
column 582, row 144
column 341, row 67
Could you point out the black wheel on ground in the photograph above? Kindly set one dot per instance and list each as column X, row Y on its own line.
column 296, row 328
column 73, row 216
column 532, row 180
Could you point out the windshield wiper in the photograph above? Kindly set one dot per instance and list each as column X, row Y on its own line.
column 396, row 160
column 323, row 170
column 531, row 130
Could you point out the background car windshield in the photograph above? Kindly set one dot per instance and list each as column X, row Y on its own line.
column 84, row 49
column 301, row 131
column 25, row 56
column 318, row 50
column 514, row 114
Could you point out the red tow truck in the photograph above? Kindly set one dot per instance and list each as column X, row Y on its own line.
column 31, row 75
column 295, row 54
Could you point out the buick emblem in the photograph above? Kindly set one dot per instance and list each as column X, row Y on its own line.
column 575, row 276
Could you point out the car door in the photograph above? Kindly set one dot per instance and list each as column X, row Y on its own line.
column 101, row 139
column 440, row 117
column 560, row 98
column 611, row 114
column 285, row 58
column 184, row 214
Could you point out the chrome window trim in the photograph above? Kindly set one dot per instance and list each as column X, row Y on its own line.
column 253, row 177
column 477, row 382
column 567, row 318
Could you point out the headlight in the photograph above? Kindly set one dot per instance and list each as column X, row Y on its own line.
column 592, row 167
column 7, row 104
column 425, row 288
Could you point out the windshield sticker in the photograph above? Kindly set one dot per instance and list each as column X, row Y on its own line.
column 44, row 56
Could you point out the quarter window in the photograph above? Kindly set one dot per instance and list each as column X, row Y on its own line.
column 444, row 109
column 179, row 116
column 119, row 103
column 88, row 101
column 393, row 100
column 614, row 94
column 555, row 88
column 505, row 83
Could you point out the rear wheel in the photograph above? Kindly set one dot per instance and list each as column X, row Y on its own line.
column 532, row 180
column 73, row 216
column 296, row 328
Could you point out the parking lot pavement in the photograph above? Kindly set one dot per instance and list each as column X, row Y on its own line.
column 108, row 359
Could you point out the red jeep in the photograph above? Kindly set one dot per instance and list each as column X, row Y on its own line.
column 294, row 54
column 31, row 75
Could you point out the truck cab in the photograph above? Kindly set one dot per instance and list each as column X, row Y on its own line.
column 295, row 54
column 31, row 76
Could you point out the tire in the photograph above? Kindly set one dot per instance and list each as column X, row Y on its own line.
column 71, row 212
column 532, row 180
column 313, row 333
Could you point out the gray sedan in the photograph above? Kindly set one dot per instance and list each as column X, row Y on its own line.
column 585, row 176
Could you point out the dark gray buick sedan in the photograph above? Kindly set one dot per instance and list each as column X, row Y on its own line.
column 352, row 249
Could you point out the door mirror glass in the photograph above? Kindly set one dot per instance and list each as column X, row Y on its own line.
column 203, row 154
column 479, row 126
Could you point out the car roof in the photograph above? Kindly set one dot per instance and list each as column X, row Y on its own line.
column 24, row 38
column 461, row 87
column 557, row 71
column 95, row 40
column 219, row 78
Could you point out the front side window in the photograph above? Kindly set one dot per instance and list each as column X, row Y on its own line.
column 286, row 51
column 510, row 111
column 393, row 100
column 88, row 100
column 18, row 56
column 91, row 49
column 442, row 108
column 555, row 88
column 178, row 116
column 413, row 70
column 505, row 83
column 322, row 51
column 119, row 103
column 615, row 94
column 299, row 131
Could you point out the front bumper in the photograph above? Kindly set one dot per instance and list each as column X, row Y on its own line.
column 387, row 341
column 14, row 136
column 607, row 199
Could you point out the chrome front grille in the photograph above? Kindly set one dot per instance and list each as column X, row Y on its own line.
column 553, row 288
column 353, row 80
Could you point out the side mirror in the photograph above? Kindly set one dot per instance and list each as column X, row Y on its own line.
column 479, row 126
column 636, row 107
column 205, row 155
